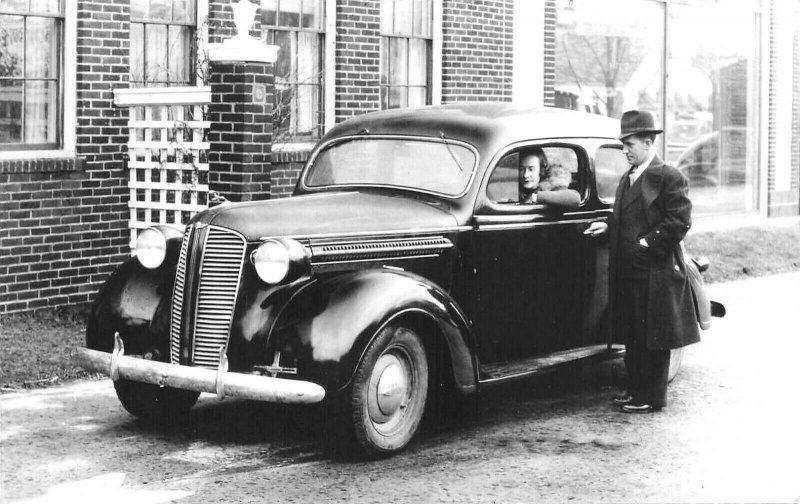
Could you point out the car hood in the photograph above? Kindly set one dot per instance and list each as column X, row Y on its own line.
column 330, row 213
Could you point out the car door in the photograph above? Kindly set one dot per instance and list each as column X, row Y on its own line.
column 534, row 267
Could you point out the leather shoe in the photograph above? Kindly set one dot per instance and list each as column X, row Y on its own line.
column 640, row 408
column 621, row 399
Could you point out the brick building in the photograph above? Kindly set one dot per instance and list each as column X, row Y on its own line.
column 64, row 155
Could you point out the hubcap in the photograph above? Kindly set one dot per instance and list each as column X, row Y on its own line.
column 390, row 384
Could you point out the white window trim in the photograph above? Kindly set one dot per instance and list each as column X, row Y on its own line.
column 329, row 78
column 436, row 52
column 70, row 69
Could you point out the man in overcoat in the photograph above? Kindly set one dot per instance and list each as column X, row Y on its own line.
column 650, row 297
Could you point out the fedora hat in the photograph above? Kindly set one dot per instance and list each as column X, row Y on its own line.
column 637, row 121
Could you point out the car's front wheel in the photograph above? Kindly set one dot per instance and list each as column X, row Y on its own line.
column 153, row 403
column 387, row 398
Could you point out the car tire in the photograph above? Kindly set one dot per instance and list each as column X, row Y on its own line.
column 155, row 404
column 675, row 359
column 388, row 393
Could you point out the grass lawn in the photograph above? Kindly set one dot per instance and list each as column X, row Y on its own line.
column 35, row 347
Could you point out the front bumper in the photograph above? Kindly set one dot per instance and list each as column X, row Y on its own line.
column 219, row 382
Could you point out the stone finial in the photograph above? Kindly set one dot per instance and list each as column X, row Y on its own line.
column 243, row 47
column 243, row 16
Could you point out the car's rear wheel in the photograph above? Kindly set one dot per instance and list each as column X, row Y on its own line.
column 388, row 394
column 153, row 403
column 675, row 360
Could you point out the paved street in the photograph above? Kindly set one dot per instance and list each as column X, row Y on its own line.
column 729, row 434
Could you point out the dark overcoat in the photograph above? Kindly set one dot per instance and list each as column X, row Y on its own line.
column 671, row 313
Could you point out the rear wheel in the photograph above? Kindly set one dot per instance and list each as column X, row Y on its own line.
column 388, row 395
column 675, row 359
column 153, row 403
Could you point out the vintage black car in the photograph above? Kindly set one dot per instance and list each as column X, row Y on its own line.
column 402, row 268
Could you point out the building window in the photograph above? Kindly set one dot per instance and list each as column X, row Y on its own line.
column 406, row 47
column 297, row 27
column 702, row 89
column 163, row 42
column 31, row 74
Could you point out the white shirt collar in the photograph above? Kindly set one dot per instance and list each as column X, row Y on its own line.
column 642, row 167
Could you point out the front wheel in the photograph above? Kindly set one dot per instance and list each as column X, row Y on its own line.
column 388, row 394
column 153, row 403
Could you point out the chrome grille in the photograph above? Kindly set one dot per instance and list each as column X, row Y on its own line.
column 220, row 270
column 325, row 253
column 177, row 299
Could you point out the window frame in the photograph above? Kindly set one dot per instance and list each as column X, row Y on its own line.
column 486, row 206
column 321, row 124
column 67, row 74
column 433, row 47
column 195, row 33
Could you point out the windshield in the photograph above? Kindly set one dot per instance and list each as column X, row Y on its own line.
column 439, row 166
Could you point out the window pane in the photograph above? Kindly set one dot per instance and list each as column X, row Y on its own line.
column 289, row 14
column 403, row 17
column 307, row 57
column 283, row 66
column 179, row 53
column 12, row 42
column 10, row 111
column 418, row 62
column 312, row 15
column 423, row 13
column 610, row 164
column 269, row 12
column 41, row 47
column 17, row 5
column 156, row 53
column 711, row 106
column 384, row 60
column 160, row 9
column 398, row 61
column 417, row 96
column 139, row 9
column 387, row 16
column 137, row 52
column 183, row 11
column 40, row 112
column 398, row 97
column 306, row 109
column 45, row 6
column 609, row 56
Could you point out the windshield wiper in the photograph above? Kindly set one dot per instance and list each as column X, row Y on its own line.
column 450, row 151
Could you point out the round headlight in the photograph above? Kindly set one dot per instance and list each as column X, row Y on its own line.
column 151, row 248
column 272, row 262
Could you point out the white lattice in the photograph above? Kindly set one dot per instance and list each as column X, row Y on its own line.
column 168, row 158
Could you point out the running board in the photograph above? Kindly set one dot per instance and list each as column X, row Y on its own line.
column 500, row 372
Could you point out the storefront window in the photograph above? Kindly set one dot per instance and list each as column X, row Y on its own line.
column 702, row 87
column 31, row 74
column 609, row 56
column 711, row 104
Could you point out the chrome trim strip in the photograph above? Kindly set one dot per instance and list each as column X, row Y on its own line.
column 531, row 225
column 328, row 253
column 376, row 234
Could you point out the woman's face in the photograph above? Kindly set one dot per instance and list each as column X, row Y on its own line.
column 529, row 169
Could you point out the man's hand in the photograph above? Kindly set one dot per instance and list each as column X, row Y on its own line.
column 596, row 228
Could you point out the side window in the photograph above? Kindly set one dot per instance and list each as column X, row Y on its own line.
column 609, row 165
column 562, row 171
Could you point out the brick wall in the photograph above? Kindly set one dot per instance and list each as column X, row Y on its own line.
column 357, row 57
column 549, row 70
column 477, row 50
column 63, row 221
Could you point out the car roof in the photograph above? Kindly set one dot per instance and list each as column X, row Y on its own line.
column 484, row 124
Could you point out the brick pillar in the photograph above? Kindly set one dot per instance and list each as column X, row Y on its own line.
column 242, row 81
column 241, row 129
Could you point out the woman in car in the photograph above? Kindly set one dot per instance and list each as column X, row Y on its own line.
column 542, row 183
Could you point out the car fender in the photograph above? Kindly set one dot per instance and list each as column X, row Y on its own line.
column 329, row 323
column 135, row 301
column 702, row 303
